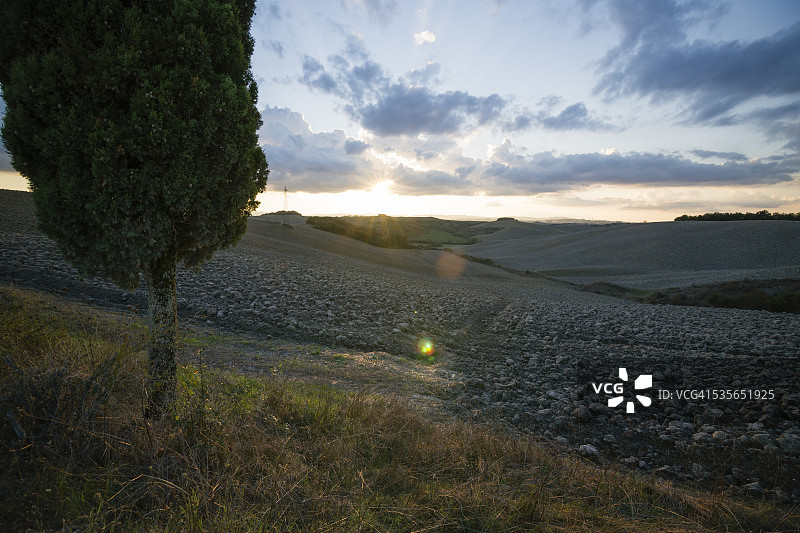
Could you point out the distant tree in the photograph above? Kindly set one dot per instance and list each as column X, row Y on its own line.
column 760, row 215
column 135, row 123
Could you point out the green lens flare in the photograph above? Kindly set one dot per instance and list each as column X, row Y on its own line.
column 425, row 346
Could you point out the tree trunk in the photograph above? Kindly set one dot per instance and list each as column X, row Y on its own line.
column 162, row 318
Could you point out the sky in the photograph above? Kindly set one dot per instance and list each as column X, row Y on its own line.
column 598, row 109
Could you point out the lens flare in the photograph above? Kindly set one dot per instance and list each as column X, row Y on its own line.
column 425, row 346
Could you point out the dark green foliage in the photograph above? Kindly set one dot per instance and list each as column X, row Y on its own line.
column 760, row 215
column 779, row 296
column 135, row 123
column 385, row 235
column 482, row 260
column 400, row 232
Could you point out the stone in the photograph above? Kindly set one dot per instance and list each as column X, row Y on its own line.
column 587, row 450
column 582, row 414
column 789, row 443
column 677, row 425
column 755, row 487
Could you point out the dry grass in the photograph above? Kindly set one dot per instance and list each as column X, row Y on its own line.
column 240, row 453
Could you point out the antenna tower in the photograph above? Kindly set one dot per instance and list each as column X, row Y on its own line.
column 285, row 205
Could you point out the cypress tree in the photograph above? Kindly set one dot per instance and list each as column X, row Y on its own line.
column 135, row 123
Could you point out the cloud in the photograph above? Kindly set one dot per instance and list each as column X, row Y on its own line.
column 780, row 122
column 425, row 76
column 274, row 11
column 573, row 117
column 404, row 110
column 718, row 76
column 730, row 156
column 436, row 164
column 511, row 172
column 355, row 147
column 655, row 59
column 424, row 37
column 276, row 47
column 380, row 11
column 314, row 76
column 309, row 161
column 660, row 23
column 409, row 181
column 404, row 106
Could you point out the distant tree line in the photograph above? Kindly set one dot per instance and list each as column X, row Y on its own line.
column 282, row 212
column 760, row 215
column 374, row 235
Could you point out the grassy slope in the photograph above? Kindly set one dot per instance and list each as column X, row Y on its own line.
column 244, row 453
column 410, row 231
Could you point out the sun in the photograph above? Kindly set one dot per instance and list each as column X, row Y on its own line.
column 382, row 189
column 382, row 199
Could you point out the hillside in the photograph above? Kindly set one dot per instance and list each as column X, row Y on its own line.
column 277, row 448
column 656, row 255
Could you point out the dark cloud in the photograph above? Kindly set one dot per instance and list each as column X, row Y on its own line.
column 413, row 182
column 397, row 107
column 509, row 172
column 314, row 75
column 730, row 156
column 355, row 147
column 782, row 122
column 661, row 23
column 718, row 76
column 463, row 172
column 404, row 110
column 655, row 59
column 308, row 161
column 520, row 122
column 573, row 117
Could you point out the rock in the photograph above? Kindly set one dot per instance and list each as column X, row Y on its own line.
column 587, row 450
column 582, row 414
column 789, row 443
column 755, row 427
column 699, row 471
column 720, row 435
column 665, row 471
column 677, row 425
column 754, row 488
column 701, row 437
column 475, row 383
